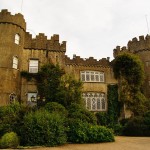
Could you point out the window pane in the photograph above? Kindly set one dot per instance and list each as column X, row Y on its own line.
column 33, row 66
column 82, row 77
column 92, row 76
column 17, row 39
column 87, row 76
column 98, row 104
column 15, row 63
column 95, row 101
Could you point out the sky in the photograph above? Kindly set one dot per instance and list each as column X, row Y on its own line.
column 92, row 28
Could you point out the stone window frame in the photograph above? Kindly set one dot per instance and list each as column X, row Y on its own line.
column 17, row 39
column 92, row 76
column 33, row 65
column 15, row 62
column 95, row 101
column 12, row 98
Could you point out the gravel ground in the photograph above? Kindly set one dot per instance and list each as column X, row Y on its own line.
column 121, row 143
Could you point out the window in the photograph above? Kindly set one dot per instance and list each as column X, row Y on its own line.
column 92, row 76
column 12, row 98
column 32, row 97
column 17, row 39
column 33, row 66
column 94, row 101
column 15, row 62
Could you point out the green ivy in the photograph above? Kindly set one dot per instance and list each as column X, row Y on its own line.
column 113, row 104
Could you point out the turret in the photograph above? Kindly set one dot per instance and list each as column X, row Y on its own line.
column 12, row 33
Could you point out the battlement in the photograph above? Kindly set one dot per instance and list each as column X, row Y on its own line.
column 87, row 61
column 41, row 42
column 135, row 45
column 17, row 19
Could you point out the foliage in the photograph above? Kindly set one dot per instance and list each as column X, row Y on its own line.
column 69, row 91
column 54, row 86
column 43, row 128
column 56, row 107
column 136, row 127
column 100, row 134
column 48, row 81
column 113, row 104
column 11, row 118
column 110, row 118
column 147, row 118
column 102, row 118
column 27, row 75
column 9, row 140
column 83, row 132
column 129, row 71
column 129, row 67
column 77, row 111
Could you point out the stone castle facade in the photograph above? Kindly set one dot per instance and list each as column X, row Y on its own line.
column 20, row 52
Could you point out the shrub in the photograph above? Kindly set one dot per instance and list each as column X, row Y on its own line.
column 9, row 140
column 79, row 112
column 56, row 107
column 118, row 129
column 136, row 127
column 100, row 134
column 11, row 118
column 77, row 131
column 102, row 118
column 43, row 128
column 147, row 118
column 83, row 132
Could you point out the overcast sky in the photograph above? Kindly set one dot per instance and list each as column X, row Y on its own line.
column 90, row 27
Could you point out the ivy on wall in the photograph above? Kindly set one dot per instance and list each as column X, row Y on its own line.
column 110, row 118
column 113, row 104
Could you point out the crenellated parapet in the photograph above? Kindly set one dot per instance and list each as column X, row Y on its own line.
column 41, row 42
column 143, row 43
column 17, row 19
column 87, row 62
column 134, row 46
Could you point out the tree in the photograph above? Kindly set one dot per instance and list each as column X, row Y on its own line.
column 129, row 71
column 55, row 86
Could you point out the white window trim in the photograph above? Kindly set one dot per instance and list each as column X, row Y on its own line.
column 17, row 39
column 33, row 65
column 92, row 76
column 95, row 101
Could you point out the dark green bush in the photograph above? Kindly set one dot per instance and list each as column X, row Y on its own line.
column 100, row 134
column 77, row 131
column 43, row 128
column 136, row 127
column 118, row 129
column 9, row 140
column 56, row 107
column 79, row 112
column 83, row 132
column 147, row 118
column 102, row 118
column 11, row 118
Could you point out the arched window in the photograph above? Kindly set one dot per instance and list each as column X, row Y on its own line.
column 15, row 62
column 17, row 39
column 12, row 98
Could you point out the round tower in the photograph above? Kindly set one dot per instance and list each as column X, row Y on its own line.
column 12, row 34
column 141, row 47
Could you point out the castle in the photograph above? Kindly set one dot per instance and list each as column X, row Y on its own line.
column 20, row 52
